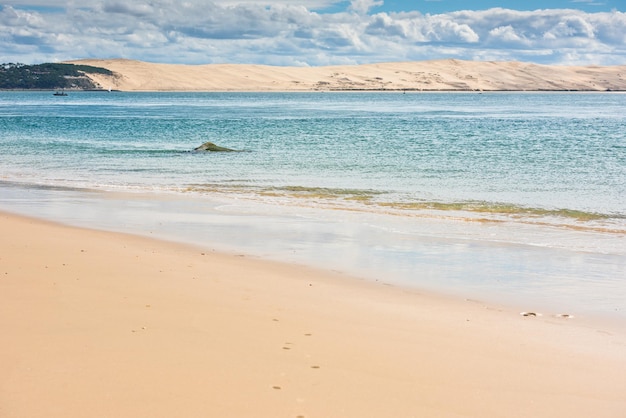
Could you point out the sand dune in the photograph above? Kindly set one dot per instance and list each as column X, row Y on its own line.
column 436, row 75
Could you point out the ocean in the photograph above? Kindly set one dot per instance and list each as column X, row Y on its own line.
column 505, row 197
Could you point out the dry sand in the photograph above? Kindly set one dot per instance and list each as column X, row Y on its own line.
column 436, row 75
column 97, row 324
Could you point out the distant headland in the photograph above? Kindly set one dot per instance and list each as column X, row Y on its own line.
column 49, row 76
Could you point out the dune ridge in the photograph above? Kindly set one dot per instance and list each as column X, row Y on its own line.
column 436, row 75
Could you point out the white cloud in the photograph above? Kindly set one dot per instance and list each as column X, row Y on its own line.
column 9, row 17
column 290, row 32
column 364, row 6
column 506, row 34
column 443, row 29
column 570, row 26
column 309, row 4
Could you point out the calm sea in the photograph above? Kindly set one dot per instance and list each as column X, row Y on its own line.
column 506, row 195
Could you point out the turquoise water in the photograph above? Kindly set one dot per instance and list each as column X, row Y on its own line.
column 451, row 190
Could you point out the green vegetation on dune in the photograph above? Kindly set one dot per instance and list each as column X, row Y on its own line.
column 48, row 76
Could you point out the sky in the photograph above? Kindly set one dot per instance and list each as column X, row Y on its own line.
column 314, row 32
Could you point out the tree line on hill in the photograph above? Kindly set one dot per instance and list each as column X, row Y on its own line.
column 48, row 76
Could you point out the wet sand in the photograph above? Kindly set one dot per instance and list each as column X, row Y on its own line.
column 106, row 324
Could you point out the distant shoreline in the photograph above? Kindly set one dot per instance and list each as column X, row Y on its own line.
column 423, row 76
column 65, row 90
column 311, row 91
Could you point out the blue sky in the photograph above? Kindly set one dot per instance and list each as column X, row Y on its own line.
column 314, row 32
column 444, row 6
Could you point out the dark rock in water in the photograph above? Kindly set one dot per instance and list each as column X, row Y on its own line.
column 211, row 147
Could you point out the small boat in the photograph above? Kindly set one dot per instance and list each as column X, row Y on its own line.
column 60, row 93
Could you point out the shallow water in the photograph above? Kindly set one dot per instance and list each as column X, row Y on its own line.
column 507, row 196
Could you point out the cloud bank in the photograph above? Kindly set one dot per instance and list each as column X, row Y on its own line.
column 293, row 33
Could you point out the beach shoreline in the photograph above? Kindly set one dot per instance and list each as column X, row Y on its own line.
column 113, row 324
column 511, row 264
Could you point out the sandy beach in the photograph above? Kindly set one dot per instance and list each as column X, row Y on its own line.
column 436, row 75
column 103, row 324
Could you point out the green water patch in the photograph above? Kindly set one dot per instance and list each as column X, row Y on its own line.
column 371, row 199
column 217, row 188
column 322, row 193
column 295, row 192
column 498, row 209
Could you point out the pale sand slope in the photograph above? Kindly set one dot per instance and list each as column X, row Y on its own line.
column 425, row 75
column 97, row 324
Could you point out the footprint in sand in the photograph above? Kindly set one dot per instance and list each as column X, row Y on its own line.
column 138, row 330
